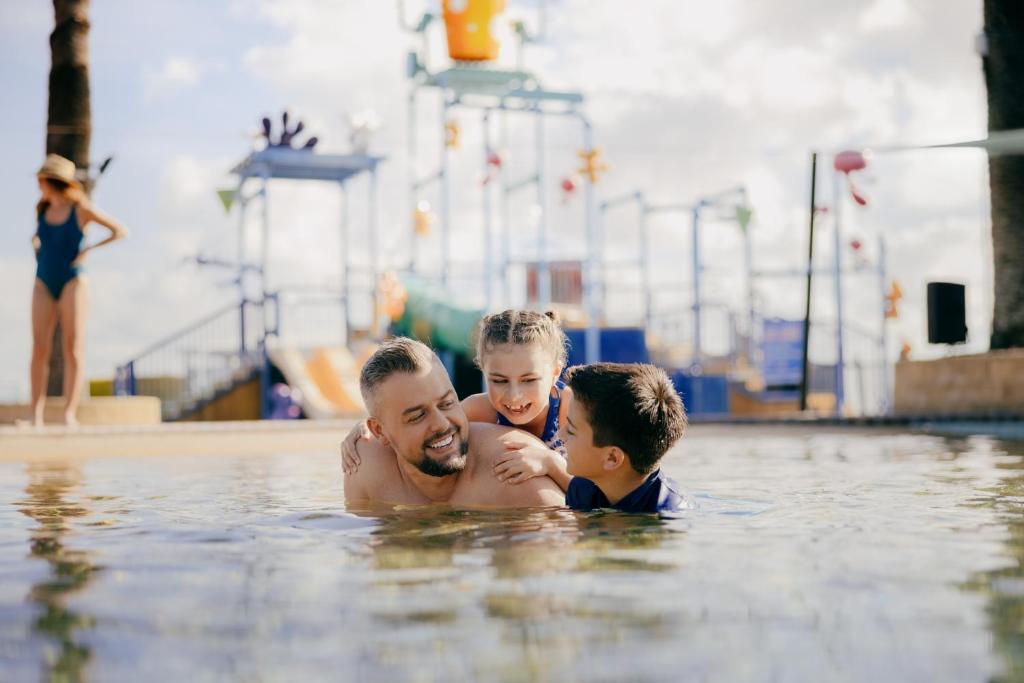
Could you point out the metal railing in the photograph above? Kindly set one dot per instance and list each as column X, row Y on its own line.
column 192, row 366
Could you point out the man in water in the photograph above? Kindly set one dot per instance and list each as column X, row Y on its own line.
column 425, row 450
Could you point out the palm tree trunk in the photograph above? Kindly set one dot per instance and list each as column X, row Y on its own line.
column 1003, row 61
column 69, row 115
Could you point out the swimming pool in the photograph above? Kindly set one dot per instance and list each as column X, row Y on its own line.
column 848, row 555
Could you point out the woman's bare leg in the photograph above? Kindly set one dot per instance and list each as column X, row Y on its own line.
column 44, row 320
column 73, row 308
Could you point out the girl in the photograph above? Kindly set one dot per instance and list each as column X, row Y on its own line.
column 522, row 354
column 60, row 292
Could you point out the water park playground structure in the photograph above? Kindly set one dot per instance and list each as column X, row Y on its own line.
column 250, row 360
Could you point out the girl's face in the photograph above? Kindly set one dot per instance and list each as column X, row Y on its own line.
column 519, row 380
column 50, row 192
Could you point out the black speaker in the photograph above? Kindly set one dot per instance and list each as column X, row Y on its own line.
column 947, row 313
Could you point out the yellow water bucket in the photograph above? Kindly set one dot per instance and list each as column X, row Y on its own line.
column 468, row 24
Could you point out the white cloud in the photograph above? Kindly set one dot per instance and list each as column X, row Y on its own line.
column 886, row 15
column 29, row 18
column 177, row 73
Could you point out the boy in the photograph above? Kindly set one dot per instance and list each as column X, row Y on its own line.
column 622, row 420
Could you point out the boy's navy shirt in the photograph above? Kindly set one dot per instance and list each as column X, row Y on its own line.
column 658, row 493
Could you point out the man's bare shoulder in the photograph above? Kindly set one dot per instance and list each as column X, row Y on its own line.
column 488, row 442
column 489, row 439
column 535, row 492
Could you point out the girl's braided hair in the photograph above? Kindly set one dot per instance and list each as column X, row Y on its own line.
column 522, row 327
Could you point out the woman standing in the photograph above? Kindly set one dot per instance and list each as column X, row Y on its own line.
column 60, row 291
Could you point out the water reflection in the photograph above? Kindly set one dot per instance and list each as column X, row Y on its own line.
column 512, row 594
column 1005, row 586
column 47, row 502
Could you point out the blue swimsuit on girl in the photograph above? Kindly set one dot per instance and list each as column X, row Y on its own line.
column 59, row 245
column 550, row 435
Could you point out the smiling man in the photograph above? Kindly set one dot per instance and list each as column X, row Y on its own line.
column 428, row 452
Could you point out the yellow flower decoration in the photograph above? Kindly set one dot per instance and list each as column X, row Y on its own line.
column 592, row 163
column 892, row 300
column 423, row 218
column 451, row 134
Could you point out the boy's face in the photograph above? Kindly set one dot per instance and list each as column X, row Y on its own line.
column 583, row 458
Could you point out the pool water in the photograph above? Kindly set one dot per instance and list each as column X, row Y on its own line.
column 846, row 556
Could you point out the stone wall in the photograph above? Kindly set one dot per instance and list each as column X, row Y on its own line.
column 983, row 384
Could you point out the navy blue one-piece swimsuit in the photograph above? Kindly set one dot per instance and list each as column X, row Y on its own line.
column 59, row 245
column 550, row 435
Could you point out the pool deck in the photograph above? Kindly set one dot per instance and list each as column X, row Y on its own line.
column 175, row 438
column 304, row 436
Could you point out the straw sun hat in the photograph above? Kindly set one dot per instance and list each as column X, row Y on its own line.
column 57, row 167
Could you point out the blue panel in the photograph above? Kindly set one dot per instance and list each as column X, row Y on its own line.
column 783, row 349
column 704, row 394
column 618, row 345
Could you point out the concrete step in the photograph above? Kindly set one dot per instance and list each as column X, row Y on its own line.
column 97, row 410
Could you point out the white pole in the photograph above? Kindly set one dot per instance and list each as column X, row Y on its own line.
column 374, row 240
column 506, row 236
column 751, row 313
column 592, row 345
column 696, row 284
column 346, row 288
column 264, row 247
column 837, row 200
column 488, row 221
column 883, row 340
column 748, row 262
column 543, row 267
column 413, row 190
column 443, row 176
column 645, row 261
column 242, row 205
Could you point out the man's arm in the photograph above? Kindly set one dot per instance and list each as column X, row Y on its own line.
column 536, row 492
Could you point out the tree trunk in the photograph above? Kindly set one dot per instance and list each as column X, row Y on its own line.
column 69, row 116
column 1003, row 63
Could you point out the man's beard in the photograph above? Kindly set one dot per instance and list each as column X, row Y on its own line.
column 452, row 465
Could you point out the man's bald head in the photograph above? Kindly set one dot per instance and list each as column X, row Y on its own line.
column 400, row 354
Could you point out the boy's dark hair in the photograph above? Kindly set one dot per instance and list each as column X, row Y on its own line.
column 633, row 406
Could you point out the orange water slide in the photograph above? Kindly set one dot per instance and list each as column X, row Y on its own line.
column 327, row 379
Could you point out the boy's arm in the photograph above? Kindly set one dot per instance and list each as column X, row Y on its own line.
column 558, row 470
column 523, row 460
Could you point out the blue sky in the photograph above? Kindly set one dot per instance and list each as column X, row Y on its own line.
column 687, row 97
column 141, row 126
